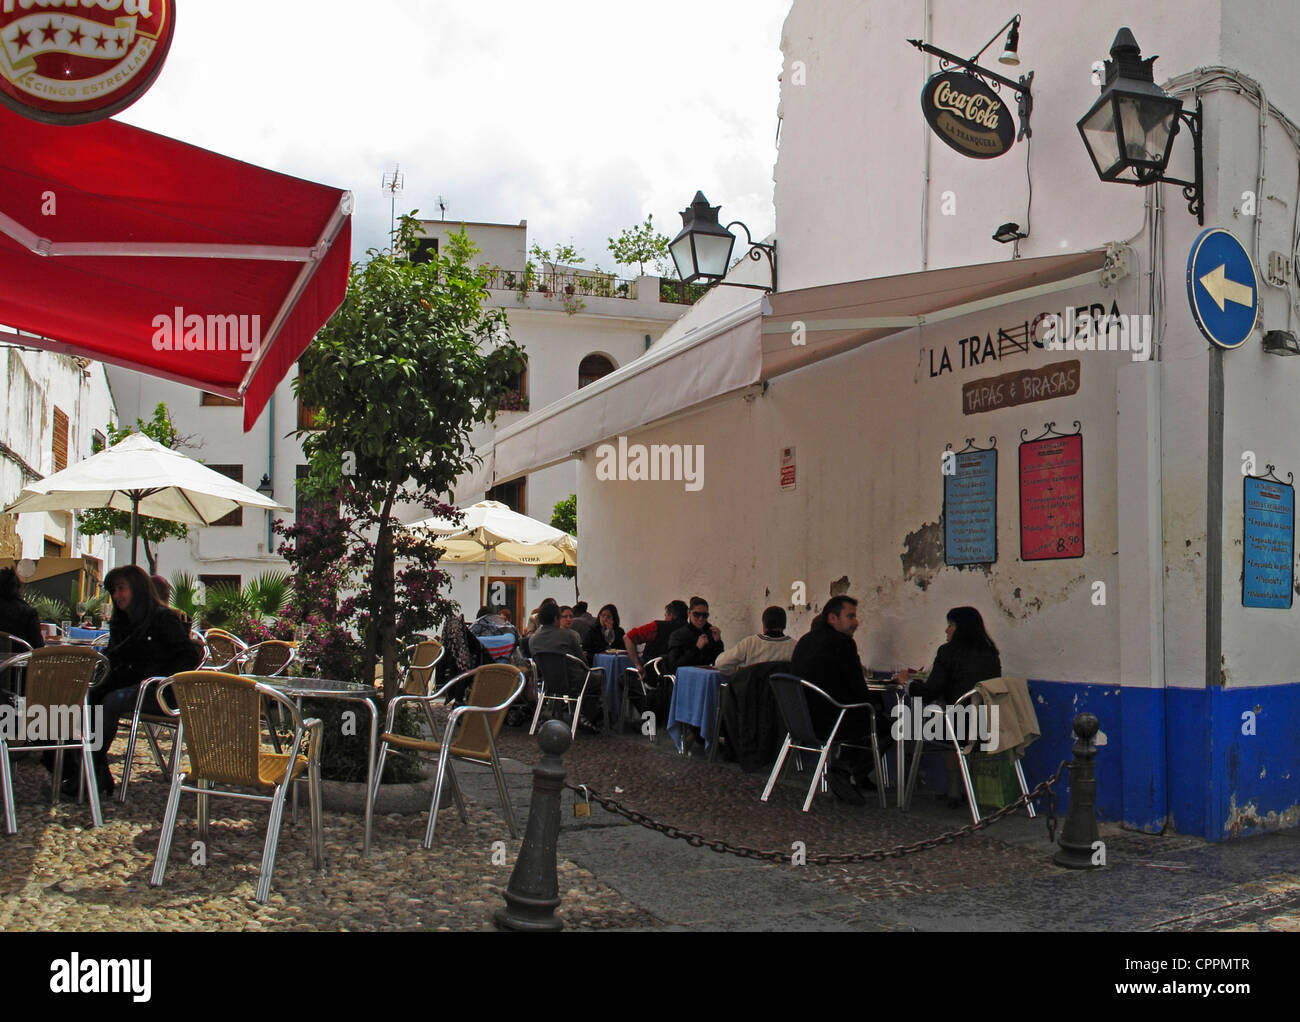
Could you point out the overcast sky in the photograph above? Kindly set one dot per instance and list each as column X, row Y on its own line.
column 579, row 117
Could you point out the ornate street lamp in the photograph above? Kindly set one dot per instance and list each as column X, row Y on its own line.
column 1130, row 130
column 702, row 249
column 265, row 488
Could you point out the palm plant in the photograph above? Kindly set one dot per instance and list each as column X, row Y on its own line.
column 49, row 608
column 268, row 595
column 185, row 595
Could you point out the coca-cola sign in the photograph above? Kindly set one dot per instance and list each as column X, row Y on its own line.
column 74, row 61
column 968, row 115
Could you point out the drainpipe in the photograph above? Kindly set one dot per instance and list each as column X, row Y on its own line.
column 270, row 460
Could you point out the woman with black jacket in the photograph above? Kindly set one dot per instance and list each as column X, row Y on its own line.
column 146, row 639
column 606, row 635
column 967, row 658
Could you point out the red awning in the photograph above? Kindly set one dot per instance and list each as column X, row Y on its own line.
column 104, row 228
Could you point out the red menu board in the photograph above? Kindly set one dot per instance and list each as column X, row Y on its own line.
column 1051, row 498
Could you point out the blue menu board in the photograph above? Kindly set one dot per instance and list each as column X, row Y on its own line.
column 1269, row 552
column 970, row 509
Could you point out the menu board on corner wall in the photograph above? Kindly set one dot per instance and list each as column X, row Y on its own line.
column 1268, row 576
column 1051, row 498
column 970, row 508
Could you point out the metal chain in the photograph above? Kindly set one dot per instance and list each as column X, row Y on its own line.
column 875, row 855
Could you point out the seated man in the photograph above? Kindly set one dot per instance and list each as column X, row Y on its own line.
column 583, row 623
column 655, row 635
column 828, row 657
column 550, row 638
column 697, row 643
column 770, row 644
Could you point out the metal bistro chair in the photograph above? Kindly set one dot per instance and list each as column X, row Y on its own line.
column 223, row 649
column 268, row 659
column 792, row 704
column 220, row 729
column 969, row 702
column 12, row 647
column 552, row 673
column 649, row 681
column 152, row 724
column 58, row 689
column 494, row 688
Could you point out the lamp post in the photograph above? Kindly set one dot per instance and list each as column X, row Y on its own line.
column 1129, row 132
column 702, row 249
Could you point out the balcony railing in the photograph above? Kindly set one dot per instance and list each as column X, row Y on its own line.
column 584, row 285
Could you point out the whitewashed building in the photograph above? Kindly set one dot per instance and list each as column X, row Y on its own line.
column 54, row 407
column 902, row 331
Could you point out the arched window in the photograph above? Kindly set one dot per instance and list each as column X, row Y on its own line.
column 592, row 368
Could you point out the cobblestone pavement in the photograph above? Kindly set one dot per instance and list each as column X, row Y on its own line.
column 58, row 873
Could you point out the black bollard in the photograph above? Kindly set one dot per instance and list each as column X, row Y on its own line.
column 533, row 893
column 1079, row 836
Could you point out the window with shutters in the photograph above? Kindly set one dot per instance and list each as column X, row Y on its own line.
column 513, row 495
column 235, row 472
column 217, row 401
column 60, row 440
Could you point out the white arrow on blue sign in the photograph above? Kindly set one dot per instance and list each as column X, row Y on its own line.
column 1222, row 288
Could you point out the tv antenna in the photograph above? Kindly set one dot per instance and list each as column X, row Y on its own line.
column 442, row 208
column 392, row 184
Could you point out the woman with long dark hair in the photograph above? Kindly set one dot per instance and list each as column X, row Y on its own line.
column 606, row 635
column 967, row 658
column 146, row 639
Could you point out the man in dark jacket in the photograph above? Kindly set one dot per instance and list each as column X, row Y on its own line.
column 828, row 657
column 697, row 643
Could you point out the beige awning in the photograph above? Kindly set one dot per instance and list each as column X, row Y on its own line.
column 836, row 318
column 742, row 348
column 711, row 361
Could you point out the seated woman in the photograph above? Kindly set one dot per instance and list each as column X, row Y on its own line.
column 146, row 639
column 17, row 616
column 967, row 658
column 606, row 635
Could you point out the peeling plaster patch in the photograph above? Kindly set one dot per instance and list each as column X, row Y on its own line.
column 1248, row 816
column 1029, row 608
column 922, row 554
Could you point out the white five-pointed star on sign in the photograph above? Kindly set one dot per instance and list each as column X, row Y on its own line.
column 1223, row 290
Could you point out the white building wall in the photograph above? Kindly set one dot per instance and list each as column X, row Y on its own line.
column 852, row 167
column 33, row 384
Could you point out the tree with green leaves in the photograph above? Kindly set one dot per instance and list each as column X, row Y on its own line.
column 401, row 374
column 640, row 244
column 103, row 521
column 564, row 516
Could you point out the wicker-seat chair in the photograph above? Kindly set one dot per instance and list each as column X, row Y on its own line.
column 219, row 728
column 267, row 659
column 223, row 649
column 58, row 680
column 471, row 730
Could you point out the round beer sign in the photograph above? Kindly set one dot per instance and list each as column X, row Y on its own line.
column 75, row 61
column 968, row 115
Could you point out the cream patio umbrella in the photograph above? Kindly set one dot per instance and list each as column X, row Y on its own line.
column 141, row 476
column 492, row 532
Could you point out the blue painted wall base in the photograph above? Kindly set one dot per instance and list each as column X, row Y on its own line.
column 1218, row 763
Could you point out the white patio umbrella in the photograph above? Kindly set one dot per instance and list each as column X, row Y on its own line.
column 492, row 532
column 141, row 476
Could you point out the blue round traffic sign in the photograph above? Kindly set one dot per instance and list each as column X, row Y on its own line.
column 1222, row 288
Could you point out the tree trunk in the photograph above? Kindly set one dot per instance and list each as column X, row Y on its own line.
column 380, row 635
column 150, row 556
